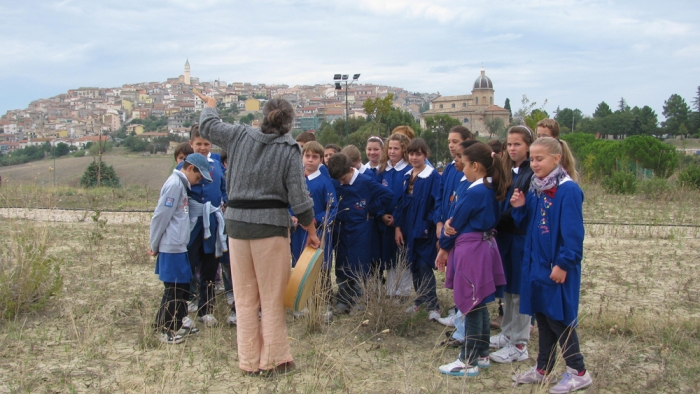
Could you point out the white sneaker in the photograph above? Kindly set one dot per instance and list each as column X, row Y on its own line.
column 208, row 320
column 230, row 299
column 509, row 353
column 448, row 321
column 458, row 368
column 192, row 306
column 434, row 315
column 533, row 376
column 187, row 322
column 412, row 309
column 572, row 382
column 231, row 320
column 484, row 362
column 498, row 341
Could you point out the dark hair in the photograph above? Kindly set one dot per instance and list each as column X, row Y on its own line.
column 278, row 117
column 496, row 146
column 463, row 132
column 418, row 145
column 335, row 147
column 306, row 137
column 466, row 144
column 223, row 155
column 194, row 132
column 482, row 154
column 186, row 164
column 338, row 165
column 184, row 148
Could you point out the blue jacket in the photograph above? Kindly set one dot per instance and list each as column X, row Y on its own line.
column 511, row 241
column 203, row 192
column 477, row 210
column 392, row 179
column 357, row 202
column 448, row 190
column 555, row 232
column 322, row 191
column 416, row 213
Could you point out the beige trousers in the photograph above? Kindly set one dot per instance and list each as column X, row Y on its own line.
column 260, row 270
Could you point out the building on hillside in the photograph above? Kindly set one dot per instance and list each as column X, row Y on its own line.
column 472, row 110
column 135, row 129
column 252, row 104
column 187, row 78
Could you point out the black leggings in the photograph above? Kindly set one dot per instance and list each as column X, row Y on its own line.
column 173, row 306
column 552, row 331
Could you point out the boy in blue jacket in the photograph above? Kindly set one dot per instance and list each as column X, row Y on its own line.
column 359, row 197
column 208, row 242
column 170, row 234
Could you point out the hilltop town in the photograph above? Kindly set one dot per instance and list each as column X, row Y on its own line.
column 87, row 114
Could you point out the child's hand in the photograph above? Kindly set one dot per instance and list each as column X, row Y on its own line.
column 518, row 199
column 441, row 260
column 398, row 236
column 438, row 230
column 558, row 275
column 295, row 220
column 209, row 101
column 388, row 219
column 152, row 253
column 449, row 230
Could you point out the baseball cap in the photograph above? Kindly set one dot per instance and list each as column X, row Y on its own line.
column 198, row 160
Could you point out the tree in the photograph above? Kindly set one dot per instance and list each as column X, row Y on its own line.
column 435, row 134
column 568, row 117
column 507, row 106
column 108, row 177
column 378, row 108
column 622, row 105
column 648, row 121
column 528, row 109
column 676, row 113
column 535, row 116
column 695, row 115
column 649, row 152
column 496, row 126
column 61, row 149
column 602, row 110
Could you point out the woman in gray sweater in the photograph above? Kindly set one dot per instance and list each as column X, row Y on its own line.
column 264, row 178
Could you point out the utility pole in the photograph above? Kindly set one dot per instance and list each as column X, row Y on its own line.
column 344, row 77
column 99, row 154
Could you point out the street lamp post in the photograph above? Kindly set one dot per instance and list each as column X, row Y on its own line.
column 344, row 77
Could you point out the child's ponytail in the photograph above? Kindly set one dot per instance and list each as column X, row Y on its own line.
column 484, row 155
column 567, row 161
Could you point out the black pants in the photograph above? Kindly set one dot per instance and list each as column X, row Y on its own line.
column 349, row 290
column 173, row 306
column 424, row 284
column 208, row 265
column 550, row 332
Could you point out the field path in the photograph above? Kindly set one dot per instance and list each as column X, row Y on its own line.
column 74, row 216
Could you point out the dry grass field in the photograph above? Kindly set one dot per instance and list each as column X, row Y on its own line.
column 639, row 322
column 132, row 170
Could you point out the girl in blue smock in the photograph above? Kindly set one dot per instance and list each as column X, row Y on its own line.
column 391, row 173
column 515, row 327
column 469, row 253
column 415, row 219
column 552, row 213
column 373, row 150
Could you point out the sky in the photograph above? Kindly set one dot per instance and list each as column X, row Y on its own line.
column 563, row 52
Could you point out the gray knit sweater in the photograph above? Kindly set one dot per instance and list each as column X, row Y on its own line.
column 261, row 167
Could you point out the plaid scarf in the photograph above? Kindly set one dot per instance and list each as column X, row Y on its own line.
column 548, row 184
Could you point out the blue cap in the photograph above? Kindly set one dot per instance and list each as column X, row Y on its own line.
column 198, row 160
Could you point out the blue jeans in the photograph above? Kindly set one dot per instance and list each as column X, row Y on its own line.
column 477, row 326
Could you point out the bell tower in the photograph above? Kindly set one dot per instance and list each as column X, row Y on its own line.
column 187, row 72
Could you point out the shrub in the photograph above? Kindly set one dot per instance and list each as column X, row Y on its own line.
column 28, row 276
column 78, row 153
column 655, row 188
column 620, row 182
column 690, row 177
column 648, row 152
column 108, row 177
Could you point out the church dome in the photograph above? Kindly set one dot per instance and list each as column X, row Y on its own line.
column 483, row 82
